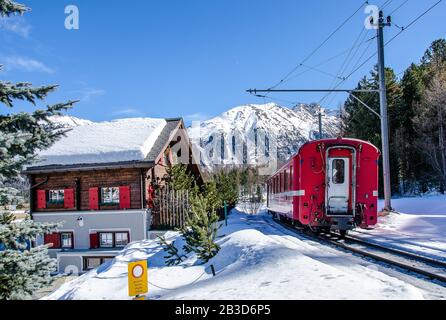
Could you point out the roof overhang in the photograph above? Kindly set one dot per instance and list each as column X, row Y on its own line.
column 90, row 167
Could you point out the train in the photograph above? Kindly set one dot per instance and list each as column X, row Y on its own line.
column 328, row 185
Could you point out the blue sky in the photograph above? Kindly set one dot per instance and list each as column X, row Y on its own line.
column 196, row 58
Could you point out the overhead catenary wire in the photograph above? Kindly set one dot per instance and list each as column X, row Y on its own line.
column 340, row 54
column 347, row 61
column 284, row 79
column 399, row 7
column 390, row 41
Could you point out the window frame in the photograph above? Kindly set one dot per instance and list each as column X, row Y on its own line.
column 112, row 240
column 121, row 233
column 285, row 181
column 71, row 233
column 334, row 175
column 113, row 233
column 101, row 261
column 112, row 202
column 56, row 201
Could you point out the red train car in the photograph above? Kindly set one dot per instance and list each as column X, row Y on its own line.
column 329, row 184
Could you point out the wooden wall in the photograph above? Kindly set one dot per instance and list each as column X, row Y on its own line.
column 87, row 180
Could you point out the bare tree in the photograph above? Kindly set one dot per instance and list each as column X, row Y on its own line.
column 430, row 123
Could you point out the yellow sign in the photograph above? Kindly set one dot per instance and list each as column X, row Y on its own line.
column 138, row 282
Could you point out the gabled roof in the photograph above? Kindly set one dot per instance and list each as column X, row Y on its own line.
column 126, row 143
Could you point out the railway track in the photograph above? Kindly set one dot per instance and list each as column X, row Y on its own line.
column 417, row 264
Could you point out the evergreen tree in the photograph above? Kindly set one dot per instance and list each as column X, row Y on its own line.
column 23, row 269
column 173, row 256
column 180, row 178
column 227, row 186
column 200, row 229
column 215, row 200
column 413, row 170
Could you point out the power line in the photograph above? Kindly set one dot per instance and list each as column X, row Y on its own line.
column 340, row 54
column 391, row 40
column 284, row 79
column 414, row 21
column 399, row 7
column 348, row 60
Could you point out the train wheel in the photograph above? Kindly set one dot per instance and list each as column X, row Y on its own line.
column 343, row 233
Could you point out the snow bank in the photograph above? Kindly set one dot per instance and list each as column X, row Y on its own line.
column 103, row 142
column 420, row 227
column 428, row 205
column 257, row 261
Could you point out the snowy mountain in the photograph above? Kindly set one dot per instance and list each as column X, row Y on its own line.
column 289, row 128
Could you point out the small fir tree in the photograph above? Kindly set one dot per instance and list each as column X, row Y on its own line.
column 173, row 256
column 200, row 229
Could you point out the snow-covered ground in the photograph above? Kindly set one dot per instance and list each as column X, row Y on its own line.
column 258, row 260
column 420, row 226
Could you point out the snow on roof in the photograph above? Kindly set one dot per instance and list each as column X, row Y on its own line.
column 104, row 142
column 69, row 121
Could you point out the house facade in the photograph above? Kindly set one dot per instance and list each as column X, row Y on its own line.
column 97, row 183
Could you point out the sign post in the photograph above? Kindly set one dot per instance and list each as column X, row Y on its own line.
column 137, row 278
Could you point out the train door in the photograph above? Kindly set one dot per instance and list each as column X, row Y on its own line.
column 338, row 186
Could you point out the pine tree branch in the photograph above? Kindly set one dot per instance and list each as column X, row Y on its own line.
column 23, row 91
column 8, row 7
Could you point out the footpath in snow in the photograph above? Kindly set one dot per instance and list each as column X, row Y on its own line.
column 258, row 260
column 420, row 226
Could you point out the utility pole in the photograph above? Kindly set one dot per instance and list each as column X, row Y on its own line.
column 320, row 124
column 384, row 115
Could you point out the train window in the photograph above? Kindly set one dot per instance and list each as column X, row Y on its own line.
column 291, row 178
column 280, row 182
column 274, row 185
column 285, row 181
column 338, row 171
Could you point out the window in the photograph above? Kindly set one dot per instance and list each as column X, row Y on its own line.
column 106, row 240
column 338, row 171
column 113, row 239
column 94, row 262
column 291, row 178
column 285, row 181
column 56, row 196
column 110, row 196
column 66, row 240
column 121, row 239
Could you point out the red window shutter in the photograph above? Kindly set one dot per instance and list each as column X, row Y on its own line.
column 47, row 239
column 69, row 198
column 53, row 239
column 124, row 197
column 94, row 240
column 56, row 240
column 41, row 199
column 94, row 199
